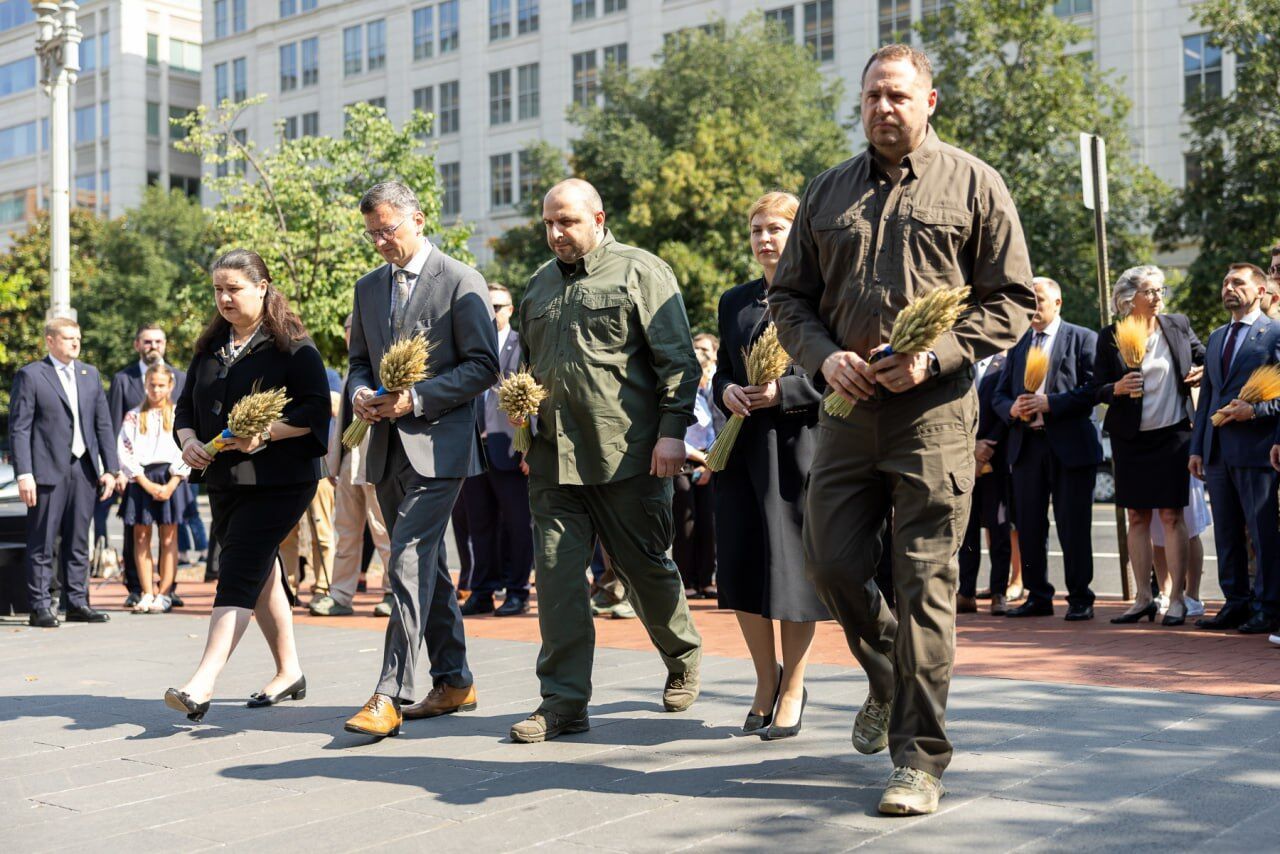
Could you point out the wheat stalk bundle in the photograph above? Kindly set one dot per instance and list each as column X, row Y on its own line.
column 1263, row 385
column 402, row 366
column 1131, row 341
column 766, row 362
column 1037, row 368
column 915, row 329
column 519, row 395
column 250, row 415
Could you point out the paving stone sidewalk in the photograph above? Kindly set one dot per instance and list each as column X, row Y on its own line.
column 91, row 759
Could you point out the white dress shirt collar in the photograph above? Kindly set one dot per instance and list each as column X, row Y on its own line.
column 58, row 364
column 1252, row 317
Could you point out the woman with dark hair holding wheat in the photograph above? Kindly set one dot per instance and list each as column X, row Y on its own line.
column 259, row 485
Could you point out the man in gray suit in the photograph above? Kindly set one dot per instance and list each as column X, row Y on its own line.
column 422, row 444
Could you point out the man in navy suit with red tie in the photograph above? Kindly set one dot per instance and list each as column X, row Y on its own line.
column 64, row 454
column 1234, row 458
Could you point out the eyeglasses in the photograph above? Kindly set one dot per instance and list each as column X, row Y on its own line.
column 1275, row 270
column 499, row 306
column 1152, row 293
column 382, row 233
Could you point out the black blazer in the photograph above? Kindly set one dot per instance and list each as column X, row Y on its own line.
column 214, row 386
column 127, row 392
column 1070, row 389
column 40, row 422
column 990, row 425
column 1124, row 413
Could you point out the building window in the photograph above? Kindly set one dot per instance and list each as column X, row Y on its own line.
column 88, row 55
column 451, row 186
column 380, row 102
column 1067, row 8
column 221, row 20
column 13, row 206
column 528, row 97
column 288, row 7
column 15, row 13
column 424, row 102
column 85, row 124
column 185, row 183
column 86, row 195
column 499, row 20
column 288, row 67
column 18, row 141
column 184, row 56
column 153, row 118
column 895, row 20
column 584, row 9
column 501, row 186
column 819, row 30
column 220, row 90
column 449, row 120
column 352, row 50
column 310, row 124
column 930, row 8
column 528, row 177
column 177, row 132
column 1191, row 170
column 104, row 119
column 1201, row 68
column 784, row 18
column 290, row 128
column 449, row 26
column 240, row 79
column 242, row 137
column 500, row 97
column 586, row 82
column 611, row 6
column 376, row 38
column 239, row 16
column 526, row 16
column 153, row 49
column 423, row 32
column 310, row 61
column 18, row 76
column 615, row 56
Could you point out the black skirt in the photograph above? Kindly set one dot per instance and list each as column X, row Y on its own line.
column 1151, row 468
column 139, row 508
column 249, row 523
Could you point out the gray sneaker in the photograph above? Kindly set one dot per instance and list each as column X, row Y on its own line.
column 681, row 690
column 911, row 792
column 327, row 606
column 871, row 726
column 383, row 608
column 604, row 605
column 544, row 725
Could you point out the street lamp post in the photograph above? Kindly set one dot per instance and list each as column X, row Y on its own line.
column 58, row 46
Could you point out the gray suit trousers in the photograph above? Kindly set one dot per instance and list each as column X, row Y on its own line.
column 424, row 606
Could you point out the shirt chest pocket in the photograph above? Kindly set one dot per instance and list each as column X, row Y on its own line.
column 935, row 236
column 605, row 319
column 535, row 333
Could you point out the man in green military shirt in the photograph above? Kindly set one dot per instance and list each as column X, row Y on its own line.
column 907, row 216
column 606, row 334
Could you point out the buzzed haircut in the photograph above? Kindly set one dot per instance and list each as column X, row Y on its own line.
column 894, row 52
column 1259, row 275
column 584, row 188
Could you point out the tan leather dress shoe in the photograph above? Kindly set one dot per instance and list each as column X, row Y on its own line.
column 379, row 718
column 966, row 604
column 443, row 700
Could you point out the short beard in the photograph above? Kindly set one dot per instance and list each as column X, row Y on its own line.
column 152, row 357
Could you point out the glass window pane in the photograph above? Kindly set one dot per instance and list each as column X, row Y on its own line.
column 423, row 32
column 352, row 50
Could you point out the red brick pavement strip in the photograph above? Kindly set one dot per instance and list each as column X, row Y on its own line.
column 1043, row 649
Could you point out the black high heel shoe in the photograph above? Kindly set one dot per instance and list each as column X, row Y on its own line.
column 755, row 722
column 179, row 701
column 775, row 732
column 296, row 691
column 1172, row 620
column 1149, row 612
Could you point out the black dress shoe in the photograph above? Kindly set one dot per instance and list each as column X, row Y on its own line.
column 477, row 603
column 514, row 605
column 132, row 599
column 179, row 701
column 775, row 732
column 296, row 691
column 1031, row 608
column 85, row 614
column 175, row 600
column 1259, row 624
column 43, row 618
column 1148, row 612
column 756, row 723
column 1228, row 618
column 1076, row 613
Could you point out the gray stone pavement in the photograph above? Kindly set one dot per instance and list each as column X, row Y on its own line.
column 91, row 759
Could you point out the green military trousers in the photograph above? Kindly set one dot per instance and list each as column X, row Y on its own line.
column 632, row 518
column 906, row 461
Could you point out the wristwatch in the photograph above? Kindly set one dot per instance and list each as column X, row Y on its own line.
column 265, row 435
column 934, row 368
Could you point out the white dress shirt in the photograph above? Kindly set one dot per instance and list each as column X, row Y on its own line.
column 1050, row 335
column 138, row 450
column 413, row 272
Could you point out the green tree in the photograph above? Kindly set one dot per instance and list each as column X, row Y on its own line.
column 521, row 249
column 296, row 203
column 1013, row 94
column 680, row 150
column 1232, row 210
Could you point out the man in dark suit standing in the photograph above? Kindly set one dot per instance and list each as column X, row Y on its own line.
column 422, row 444
column 64, row 454
column 1053, row 451
column 498, row 499
column 990, row 509
column 127, row 392
column 1234, row 458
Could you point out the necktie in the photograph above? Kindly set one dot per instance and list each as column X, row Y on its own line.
column 69, row 386
column 1037, row 340
column 399, row 297
column 1229, row 348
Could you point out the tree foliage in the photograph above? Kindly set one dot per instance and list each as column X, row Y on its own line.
column 1011, row 94
column 296, row 203
column 1233, row 209
column 680, row 150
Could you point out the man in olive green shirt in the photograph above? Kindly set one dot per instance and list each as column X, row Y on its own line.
column 907, row 216
column 606, row 334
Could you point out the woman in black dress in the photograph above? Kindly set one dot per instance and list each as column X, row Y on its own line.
column 760, row 493
column 259, row 486
column 1151, row 435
